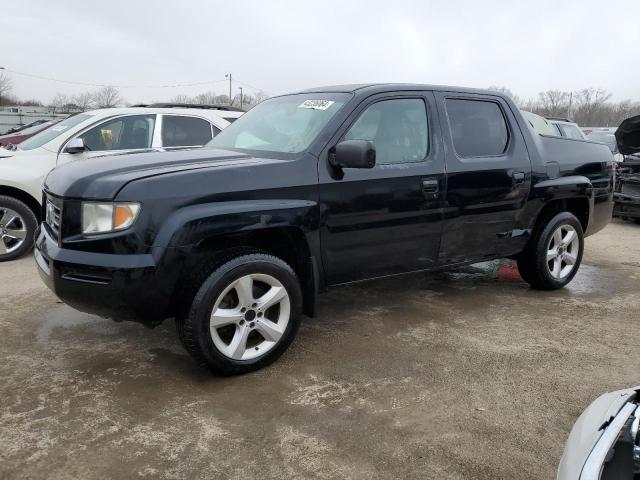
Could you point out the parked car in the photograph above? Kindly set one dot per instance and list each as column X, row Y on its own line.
column 83, row 136
column 16, row 138
column 311, row 190
column 627, row 190
column 604, row 135
column 566, row 128
column 540, row 125
column 19, row 128
column 604, row 443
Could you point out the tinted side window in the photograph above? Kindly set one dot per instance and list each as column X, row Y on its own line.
column 397, row 128
column 185, row 131
column 478, row 127
column 124, row 133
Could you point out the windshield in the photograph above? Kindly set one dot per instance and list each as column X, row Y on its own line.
column 50, row 133
column 287, row 124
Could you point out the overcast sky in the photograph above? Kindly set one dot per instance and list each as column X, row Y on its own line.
column 280, row 46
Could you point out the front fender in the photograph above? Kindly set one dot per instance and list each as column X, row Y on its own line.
column 193, row 224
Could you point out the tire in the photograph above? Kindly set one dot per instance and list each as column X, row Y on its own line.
column 266, row 330
column 18, row 225
column 537, row 264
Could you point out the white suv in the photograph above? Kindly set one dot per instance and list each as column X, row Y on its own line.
column 86, row 135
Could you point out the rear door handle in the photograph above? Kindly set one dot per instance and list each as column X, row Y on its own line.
column 518, row 178
column 431, row 188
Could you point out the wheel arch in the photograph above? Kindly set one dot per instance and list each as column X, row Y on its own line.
column 24, row 197
column 580, row 207
column 287, row 243
column 574, row 194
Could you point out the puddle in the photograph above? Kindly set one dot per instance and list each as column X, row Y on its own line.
column 65, row 317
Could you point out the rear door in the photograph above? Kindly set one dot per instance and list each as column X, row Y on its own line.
column 387, row 219
column 488, row 178
column 182, row 131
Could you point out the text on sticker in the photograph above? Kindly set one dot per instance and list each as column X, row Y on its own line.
column 316, row 104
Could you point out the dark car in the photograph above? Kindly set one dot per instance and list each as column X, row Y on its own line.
column 19, row 128
column 309, row 191
column 22, row 135
column 627, row 191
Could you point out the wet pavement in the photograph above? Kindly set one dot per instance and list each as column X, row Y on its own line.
column 463, row 374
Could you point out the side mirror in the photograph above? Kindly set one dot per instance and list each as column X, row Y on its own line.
column 354, row 154
column 75, row 145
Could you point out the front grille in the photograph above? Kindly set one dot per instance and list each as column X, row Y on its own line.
column 53, row 216
column 631, row 188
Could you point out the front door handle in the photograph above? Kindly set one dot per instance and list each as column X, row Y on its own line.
column 431, row 188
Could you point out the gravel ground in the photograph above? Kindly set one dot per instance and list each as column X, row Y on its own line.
column 464, row 374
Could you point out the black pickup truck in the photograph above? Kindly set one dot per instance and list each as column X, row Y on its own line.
column 312, row 190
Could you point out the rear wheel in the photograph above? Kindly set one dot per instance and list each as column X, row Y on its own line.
column 17, row 228
column 244, row 315
column 554, row 253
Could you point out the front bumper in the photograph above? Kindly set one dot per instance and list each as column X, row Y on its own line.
column 119, row 287
column 626, row 205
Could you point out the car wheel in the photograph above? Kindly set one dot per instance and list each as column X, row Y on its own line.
column 17, row 228
column 244, row 315
column 554, row 253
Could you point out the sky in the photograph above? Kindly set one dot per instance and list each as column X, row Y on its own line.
column 282, row 46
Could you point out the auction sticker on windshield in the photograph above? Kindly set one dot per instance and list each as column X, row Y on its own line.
column 316, row 104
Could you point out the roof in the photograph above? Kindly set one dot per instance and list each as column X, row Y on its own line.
column 372, row 88
column 227, row 108
column 216, row 116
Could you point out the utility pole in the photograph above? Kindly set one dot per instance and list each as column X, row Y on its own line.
column 240, row 98
column 569, row 108
column 228, row 75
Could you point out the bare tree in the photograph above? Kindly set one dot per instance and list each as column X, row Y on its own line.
column 221, row 100
column 553, row 103
column 59, row 101
column 84, row 101
column 205, row 98
column 6, row 85
column 507, row 91
column 590, row 106
column 107, row 97
column 181, row 99
column 260, row 96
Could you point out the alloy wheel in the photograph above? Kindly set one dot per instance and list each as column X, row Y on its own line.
column 250, row 316
column 13, row 231
column 562, row 251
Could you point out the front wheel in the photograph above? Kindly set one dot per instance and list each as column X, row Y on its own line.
column 244, row 316
column 554, row 253
column 17, row 228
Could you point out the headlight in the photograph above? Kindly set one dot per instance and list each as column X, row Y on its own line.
column 108, row 217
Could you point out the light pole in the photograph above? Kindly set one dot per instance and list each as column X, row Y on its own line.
column 228, row 75
column 240, row 98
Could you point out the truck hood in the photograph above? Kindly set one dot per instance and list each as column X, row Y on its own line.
column 101, row 178
column 628, row 136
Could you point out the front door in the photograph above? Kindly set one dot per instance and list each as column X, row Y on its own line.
column 124, row 134
column 387, row 219
column 488, row 178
